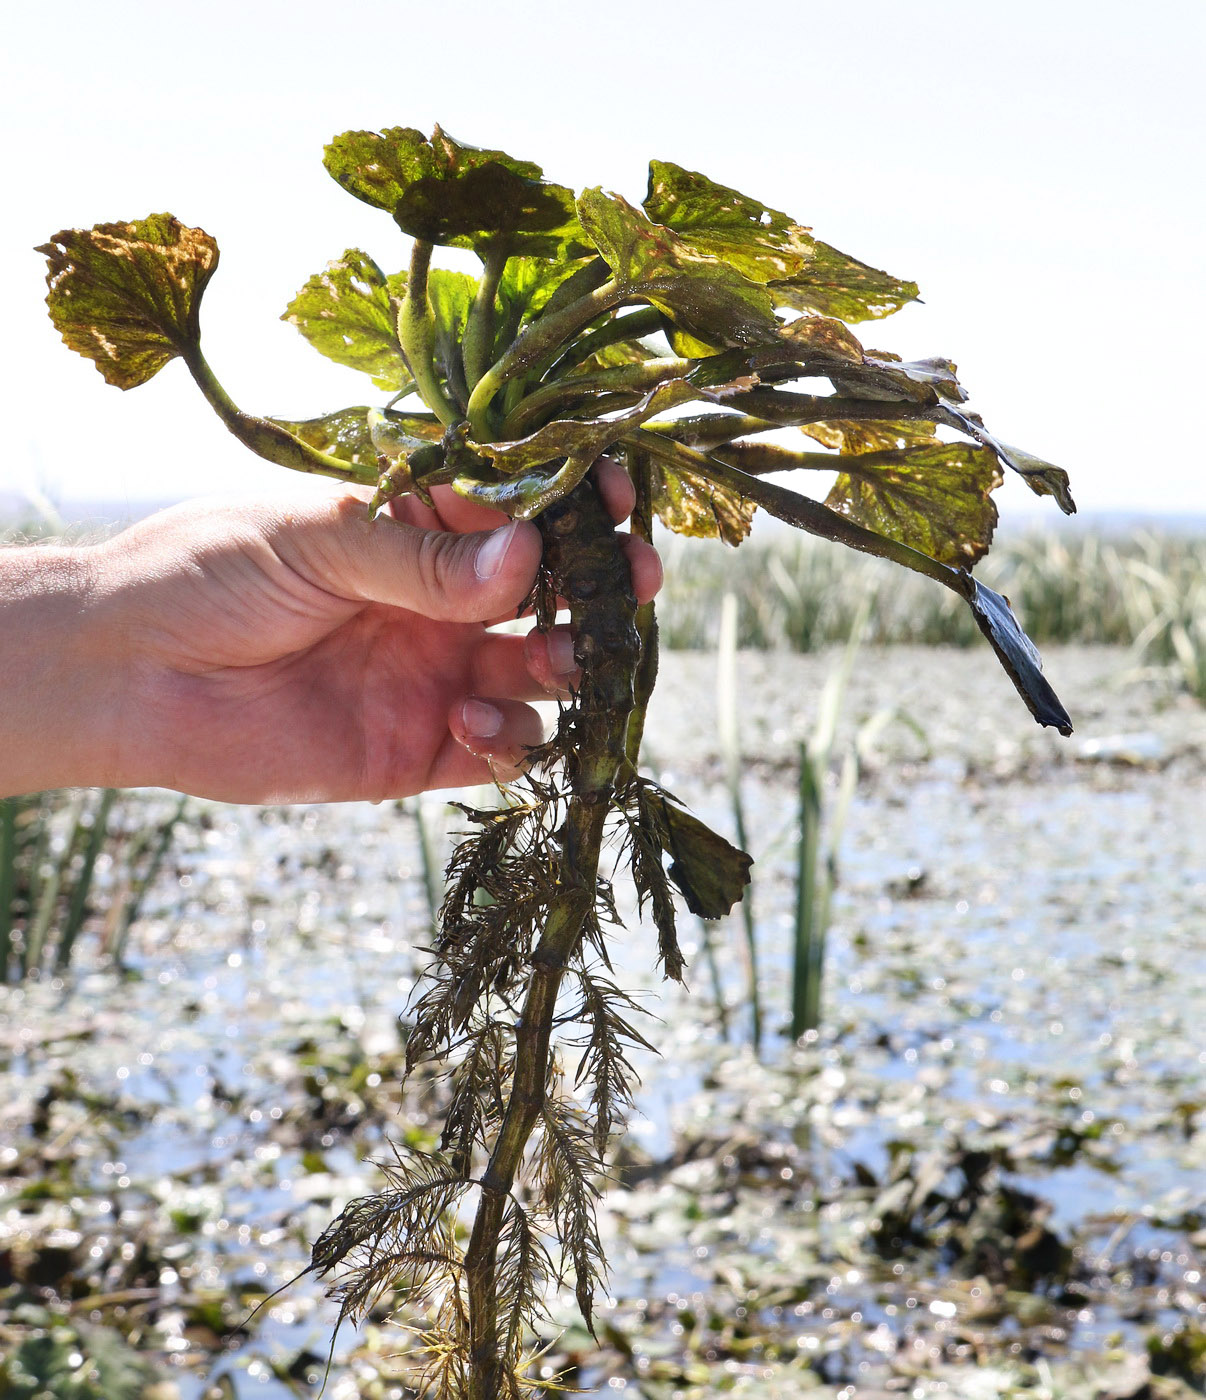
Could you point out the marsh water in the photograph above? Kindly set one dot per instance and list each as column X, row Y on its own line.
column 985, row 1176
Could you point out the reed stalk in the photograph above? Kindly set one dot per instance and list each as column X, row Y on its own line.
column 730, row 749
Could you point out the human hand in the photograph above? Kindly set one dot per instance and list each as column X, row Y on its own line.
column 295, row 651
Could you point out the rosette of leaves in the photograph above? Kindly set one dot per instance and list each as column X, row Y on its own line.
column 674, row 336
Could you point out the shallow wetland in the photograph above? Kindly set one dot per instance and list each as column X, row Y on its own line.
column 986, row 1177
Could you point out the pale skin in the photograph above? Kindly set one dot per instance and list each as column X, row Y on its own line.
column 283, row 651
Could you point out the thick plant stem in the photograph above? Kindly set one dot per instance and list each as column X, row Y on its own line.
column 478, row 343
column 634, row 379
column 416, row 333
column 540, row 339
column 265, row 438
column 582, row 554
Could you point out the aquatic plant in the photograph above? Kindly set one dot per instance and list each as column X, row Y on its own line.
column 594, row 324
column 50, row 848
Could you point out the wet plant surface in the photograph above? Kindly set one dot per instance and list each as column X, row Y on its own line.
column 986, row 1176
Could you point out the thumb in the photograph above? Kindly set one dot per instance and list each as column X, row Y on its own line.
column 441, row 574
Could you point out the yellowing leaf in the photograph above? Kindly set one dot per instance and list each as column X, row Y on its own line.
column 768, row 247
column 859, row 435
column 758, row 241
column 837, row 285
column 344, row 435
column 127, row 296
column 691, row 505
column 349, row 313
column 935, row 498
column 705, row 297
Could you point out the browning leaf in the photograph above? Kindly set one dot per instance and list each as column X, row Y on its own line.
column 349, row 313
column 1043, row 478
column 604, row 1063
column 128, row 296
column 888, row 378
column 935, row 497
column 993, row 616
column 477, row 1083
column 566, row 1169
column 710, row 872
column 401, row 1239
column 822, row 337
column 936, row 373
column 525, row 1272
column 647, row 841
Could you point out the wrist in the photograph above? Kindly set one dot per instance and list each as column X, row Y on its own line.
column 62, row 678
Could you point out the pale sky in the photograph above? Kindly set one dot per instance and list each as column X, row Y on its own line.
column 1036, row 167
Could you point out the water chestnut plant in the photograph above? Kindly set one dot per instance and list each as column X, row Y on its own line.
column 672, row 336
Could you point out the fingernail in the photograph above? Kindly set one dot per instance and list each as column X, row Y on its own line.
column 561, row 651
column 493, row 551
column 481, row 721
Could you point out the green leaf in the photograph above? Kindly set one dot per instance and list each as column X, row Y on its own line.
column 128, row 296
column 689, row 347
column 451, row 296
column 524, row 289
column 444, row 192
column 769, row 247
column 525, row 495
column 614, row 356
column 349, row 313
column 344, row 435
column 394, row 434
column 935, row 498
column 704, row 297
